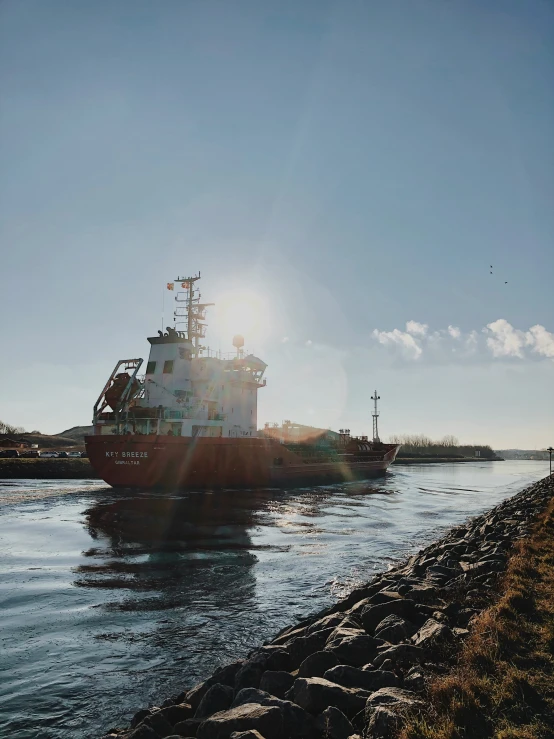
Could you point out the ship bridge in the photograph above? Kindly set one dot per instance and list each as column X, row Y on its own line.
column 188, row 390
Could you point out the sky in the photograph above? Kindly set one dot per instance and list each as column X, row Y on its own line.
column 343, row 174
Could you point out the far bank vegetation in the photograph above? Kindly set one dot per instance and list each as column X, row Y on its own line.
column 7, row 428
column 18, row 433
column 419, row 445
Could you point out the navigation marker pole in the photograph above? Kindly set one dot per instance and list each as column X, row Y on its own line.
column 375, row 414
column 550, row 450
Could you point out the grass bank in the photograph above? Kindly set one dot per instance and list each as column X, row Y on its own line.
column 503, row 684
column 46, row 469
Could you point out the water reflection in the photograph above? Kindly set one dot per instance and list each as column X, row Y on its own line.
column 184, row 549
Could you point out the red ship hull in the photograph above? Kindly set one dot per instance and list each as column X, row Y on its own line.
column 181, row 463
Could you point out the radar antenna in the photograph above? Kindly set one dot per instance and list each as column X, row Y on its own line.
column 193, row 312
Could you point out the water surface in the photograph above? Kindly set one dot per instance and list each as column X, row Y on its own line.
column 111, row 601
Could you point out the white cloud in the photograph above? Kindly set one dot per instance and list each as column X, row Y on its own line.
column 499, row 339
column 409, row 346
column 541, row 340
column 454, row 331
column 416, row 329
column 504, row 340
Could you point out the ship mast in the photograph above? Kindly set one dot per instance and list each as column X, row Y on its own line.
column 194, row 312
column 375, row 415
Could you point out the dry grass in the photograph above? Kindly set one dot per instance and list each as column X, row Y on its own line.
column 503, row 685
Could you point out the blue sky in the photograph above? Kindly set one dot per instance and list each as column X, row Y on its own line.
column 353, row 167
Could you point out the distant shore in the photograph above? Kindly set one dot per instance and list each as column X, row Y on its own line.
column 81, row 469
column 436, row 460
column 46, row 469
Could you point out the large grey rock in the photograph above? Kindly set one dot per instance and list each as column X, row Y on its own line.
column 297, row 723
column 423, row 594
column 317, row 664
column 385, row 596
column 158, row 723
column 351, row 621
column 276, row 683
column 188, row 727
column 224, row 676
column 174, row 714
column 333, row 724
column 314, row 694
column 140, row 716
column 401, row 654
column 248, row 676
column 143, row 731
column 268, row 720
column 358, row 607
column 270, row 657
column 352, row 646
column 394, row 629
column 353, row 677
column 383, row 724
column 301, row 647
column 373, row 615
column 414, row 681
column 432, row 634
column 394, row 697
column 288, row 635
column 330, row 621
column 343, row 632
column 217, row 698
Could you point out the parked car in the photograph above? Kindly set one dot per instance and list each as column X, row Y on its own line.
column 84, row 454
column 74, row 454
column 9, row 453
column 63, row 454
column 49, row 454
column 30, row 453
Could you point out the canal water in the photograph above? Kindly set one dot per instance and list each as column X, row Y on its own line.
column 113, row 601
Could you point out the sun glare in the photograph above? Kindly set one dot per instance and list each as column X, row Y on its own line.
column 241, row 313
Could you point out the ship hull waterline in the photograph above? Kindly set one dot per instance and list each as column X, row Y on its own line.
column 183, row 463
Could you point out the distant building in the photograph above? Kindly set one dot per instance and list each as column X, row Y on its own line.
column 297, row 433
column 7, row 443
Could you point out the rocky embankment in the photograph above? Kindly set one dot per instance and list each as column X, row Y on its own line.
column 355, row 669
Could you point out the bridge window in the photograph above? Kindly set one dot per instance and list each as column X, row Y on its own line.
column 150, row 368
column 168, row 367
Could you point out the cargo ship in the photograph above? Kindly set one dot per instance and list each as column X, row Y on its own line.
column 190, row 421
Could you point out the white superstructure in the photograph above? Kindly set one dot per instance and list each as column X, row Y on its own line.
column 186, row 390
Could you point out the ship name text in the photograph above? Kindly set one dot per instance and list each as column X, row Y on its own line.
column 129, row 455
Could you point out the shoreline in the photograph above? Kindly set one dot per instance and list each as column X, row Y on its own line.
column 23, row 468
column 442, row 460
column 366, row 661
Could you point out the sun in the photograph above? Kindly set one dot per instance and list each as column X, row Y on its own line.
column 241, row 313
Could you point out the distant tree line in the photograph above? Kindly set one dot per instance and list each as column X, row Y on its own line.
column 419, row 445
column 7, row 428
